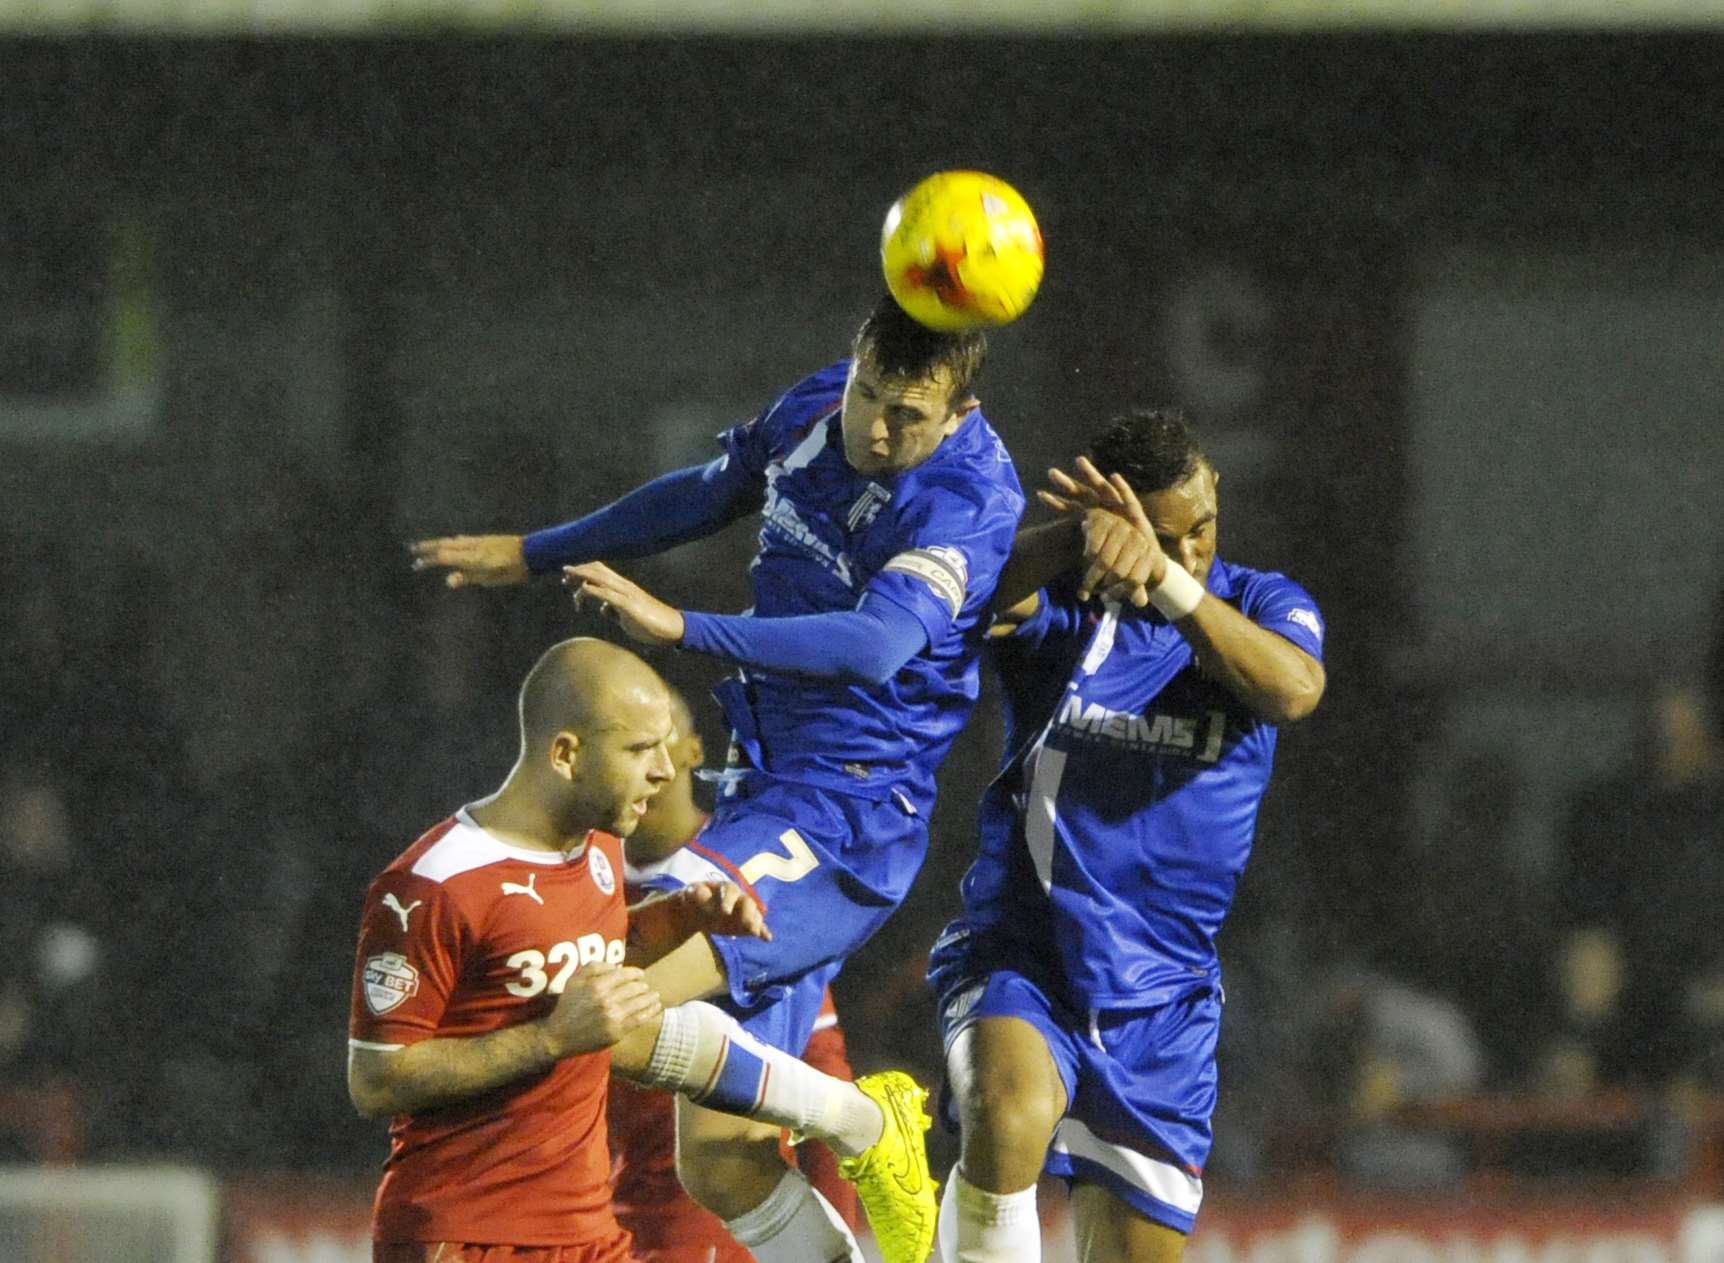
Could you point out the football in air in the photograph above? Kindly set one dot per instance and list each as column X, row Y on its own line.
column 962, row 250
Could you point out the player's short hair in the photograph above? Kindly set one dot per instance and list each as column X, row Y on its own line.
column 900, row 347
column 1152, row 448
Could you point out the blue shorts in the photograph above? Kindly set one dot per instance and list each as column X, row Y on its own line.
column 1140, row 1082
column 805, row 854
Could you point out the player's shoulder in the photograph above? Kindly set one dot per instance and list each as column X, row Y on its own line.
column 974, row 456
column 455, row 848
column 969, row 477
column 681, row 867
column 818, row 395
column 460, row 850
column 1246, row 583
column 433, row 839
column 1260, row 593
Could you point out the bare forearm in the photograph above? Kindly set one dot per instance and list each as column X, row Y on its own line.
column 1039, row 554
column 1276, row 679
column 447, row 1069
column 654, row 929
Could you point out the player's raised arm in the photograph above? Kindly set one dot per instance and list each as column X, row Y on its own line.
column 473, row 561
column 1166, row 548
column 1094, row 529
column 670, row 510
column 867, row 645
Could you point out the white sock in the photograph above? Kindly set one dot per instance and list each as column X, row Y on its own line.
column 795, row 1225
column 706, row 1056
column 981, row 1227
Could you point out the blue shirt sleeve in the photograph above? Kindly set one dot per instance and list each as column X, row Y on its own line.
column 787, row 422
column 1276, row 603
column 1059, row 615
column 867, row 645
column 667, row 511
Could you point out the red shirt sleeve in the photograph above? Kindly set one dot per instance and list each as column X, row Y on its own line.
column 413, row 943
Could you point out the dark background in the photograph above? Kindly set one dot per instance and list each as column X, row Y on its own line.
column 1448, row 308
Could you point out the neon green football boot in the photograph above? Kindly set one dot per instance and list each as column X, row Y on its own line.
column 892, row 1178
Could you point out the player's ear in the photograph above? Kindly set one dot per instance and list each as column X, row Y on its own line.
column 696, row 750
column 565, row 753
column 955, row 415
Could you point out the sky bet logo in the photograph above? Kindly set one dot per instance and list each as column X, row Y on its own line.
column 1199, row 737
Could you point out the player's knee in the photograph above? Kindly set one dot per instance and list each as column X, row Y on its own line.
column 1009, row 1094
column 1006, row 1130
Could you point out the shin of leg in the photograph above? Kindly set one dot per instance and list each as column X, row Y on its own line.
column 981, row 1227
column 728, row 1164
column 1110, row 1230
column 1009, row 1096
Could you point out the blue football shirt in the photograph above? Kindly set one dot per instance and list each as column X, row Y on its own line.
column 1112, row 841
column 932, row 540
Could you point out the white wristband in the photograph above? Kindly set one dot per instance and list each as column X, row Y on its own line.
column 1177, row 594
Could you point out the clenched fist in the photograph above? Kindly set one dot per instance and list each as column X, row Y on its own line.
column 600, row 1005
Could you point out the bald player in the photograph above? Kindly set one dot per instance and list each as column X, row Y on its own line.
column 498, row 968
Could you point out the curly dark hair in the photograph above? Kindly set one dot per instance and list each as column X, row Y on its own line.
column 900, row 347
column 1154, row 448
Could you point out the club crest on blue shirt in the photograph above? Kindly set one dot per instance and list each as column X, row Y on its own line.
column 867, row 507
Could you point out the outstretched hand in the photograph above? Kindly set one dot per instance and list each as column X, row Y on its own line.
column 1122, row 557
column 641, row 615
column 600, row 1004
column 718, row 907
column 478, row 561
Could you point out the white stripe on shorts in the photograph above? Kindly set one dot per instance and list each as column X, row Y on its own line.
column 1173, row 1186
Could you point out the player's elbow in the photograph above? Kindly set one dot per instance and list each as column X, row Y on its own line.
column 1297, row 699
column 368, row 1100
column 372, row 1094
column 876, row 667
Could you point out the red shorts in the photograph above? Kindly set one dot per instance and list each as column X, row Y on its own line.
column 615, row 1251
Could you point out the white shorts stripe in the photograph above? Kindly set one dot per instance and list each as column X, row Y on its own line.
column 370, row 1047
column 1163, row 1181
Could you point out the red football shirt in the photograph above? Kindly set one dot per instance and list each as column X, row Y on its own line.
column 668, row 1225
column 462, row 935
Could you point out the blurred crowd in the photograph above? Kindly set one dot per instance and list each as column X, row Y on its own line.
column 176, row 912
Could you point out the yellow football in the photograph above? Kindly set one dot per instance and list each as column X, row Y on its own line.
column 962, row 250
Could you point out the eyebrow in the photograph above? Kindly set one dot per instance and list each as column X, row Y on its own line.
column 1201, row 522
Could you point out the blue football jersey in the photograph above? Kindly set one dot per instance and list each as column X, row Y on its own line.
column 1112, row 841
column 932, row 540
